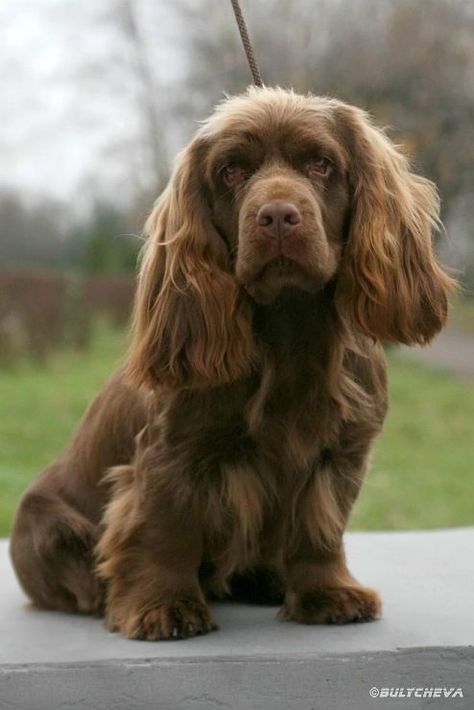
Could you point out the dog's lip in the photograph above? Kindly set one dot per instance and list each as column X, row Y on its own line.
column 275, row 274
column 281, row 266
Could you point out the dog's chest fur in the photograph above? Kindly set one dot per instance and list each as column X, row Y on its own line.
column 251, row 448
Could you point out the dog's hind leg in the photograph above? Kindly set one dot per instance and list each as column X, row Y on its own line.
column 52, row 549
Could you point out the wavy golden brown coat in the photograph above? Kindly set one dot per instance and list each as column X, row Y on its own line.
column 225, row 457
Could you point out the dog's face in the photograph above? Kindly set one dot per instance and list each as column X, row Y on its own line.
column 279, row 191
column 280, row 198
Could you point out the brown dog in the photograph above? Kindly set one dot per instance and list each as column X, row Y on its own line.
column 227, row 454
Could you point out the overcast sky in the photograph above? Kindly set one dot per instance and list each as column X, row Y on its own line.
column 66, row 108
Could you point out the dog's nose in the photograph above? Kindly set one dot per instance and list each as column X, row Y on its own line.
column 278, row 218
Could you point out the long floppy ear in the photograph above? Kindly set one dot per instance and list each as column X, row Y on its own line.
column 191, row 325
column 391, row 286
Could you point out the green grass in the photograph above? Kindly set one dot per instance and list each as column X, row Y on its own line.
column 422, row 470
column 421, row 475
column 40, row 407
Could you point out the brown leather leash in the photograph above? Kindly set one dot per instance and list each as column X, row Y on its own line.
column 244, row 36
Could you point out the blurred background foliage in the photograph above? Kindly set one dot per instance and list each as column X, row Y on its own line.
column 131, row 79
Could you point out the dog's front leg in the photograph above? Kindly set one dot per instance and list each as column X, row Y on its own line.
column 319, row 587
column 151, row 550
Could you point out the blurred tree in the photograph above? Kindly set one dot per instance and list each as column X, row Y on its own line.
column 107, row 247
column 31, row 232
column 45, row 234
column 147, row 88
column 123, row 70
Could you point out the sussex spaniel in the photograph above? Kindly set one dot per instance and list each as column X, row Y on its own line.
column 225, row 456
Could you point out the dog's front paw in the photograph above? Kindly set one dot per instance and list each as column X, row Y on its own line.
column 338, row 605
column 173, row 619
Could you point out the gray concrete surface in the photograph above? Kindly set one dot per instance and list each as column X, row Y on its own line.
column 254, row 662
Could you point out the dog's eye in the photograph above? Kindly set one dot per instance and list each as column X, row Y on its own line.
column 233, row 174
column 318, row 166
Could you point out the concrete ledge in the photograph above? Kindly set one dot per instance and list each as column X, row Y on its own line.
column 50, row 660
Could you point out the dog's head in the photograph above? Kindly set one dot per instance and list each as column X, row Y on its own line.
column 279, row 191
